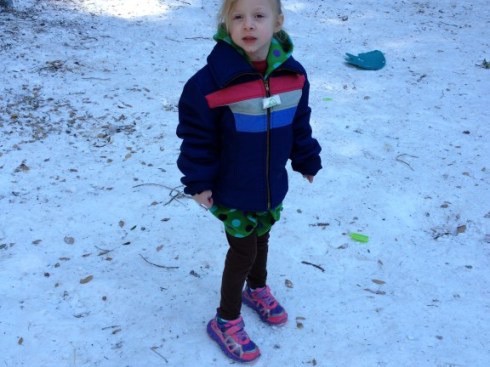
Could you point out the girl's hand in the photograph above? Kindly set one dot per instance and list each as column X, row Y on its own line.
column 205, row 199
column 309, row 178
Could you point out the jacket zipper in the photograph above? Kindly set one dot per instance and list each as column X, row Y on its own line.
column 268, row 137
column 268, row 133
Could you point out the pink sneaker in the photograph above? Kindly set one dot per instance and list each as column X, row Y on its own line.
column 233, row 339
column 262, row 301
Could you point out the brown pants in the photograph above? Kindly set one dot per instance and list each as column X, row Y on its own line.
column 246, row 260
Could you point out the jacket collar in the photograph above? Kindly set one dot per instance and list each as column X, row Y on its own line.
column 226, row 64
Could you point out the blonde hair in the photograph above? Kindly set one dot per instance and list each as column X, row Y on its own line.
column 227, row 7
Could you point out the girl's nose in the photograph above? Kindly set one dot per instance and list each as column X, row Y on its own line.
column 249, row 23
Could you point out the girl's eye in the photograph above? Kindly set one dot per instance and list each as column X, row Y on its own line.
column 259, row 16
column 237, row 17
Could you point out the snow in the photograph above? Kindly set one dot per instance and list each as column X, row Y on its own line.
column 103, row 260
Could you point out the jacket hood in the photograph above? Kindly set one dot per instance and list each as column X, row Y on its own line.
column 280, row 50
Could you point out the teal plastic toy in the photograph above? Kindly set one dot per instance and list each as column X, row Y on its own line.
column 372, row 60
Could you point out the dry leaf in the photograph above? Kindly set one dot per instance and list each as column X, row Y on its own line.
column 461, row 229
column 299, row 322
column 86, row 279
column 378, row 281
column 22, row 168
column 194, row 274
column 288, row 283
column 69, row 240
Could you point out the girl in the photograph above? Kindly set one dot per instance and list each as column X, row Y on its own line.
column 241, row 118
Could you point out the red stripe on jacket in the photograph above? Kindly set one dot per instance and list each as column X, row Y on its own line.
column 286, row 83
column 255, row 89
column 236, row 93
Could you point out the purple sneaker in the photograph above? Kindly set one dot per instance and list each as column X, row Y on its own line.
column 262, row 301
column 233, row 339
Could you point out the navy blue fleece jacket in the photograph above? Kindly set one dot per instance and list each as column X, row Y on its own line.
column 236, row 139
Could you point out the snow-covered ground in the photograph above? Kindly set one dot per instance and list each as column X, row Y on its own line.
column 103, row 260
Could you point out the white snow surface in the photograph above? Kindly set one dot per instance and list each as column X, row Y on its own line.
column 104, row 261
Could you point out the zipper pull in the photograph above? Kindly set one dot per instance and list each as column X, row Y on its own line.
column 270, row 101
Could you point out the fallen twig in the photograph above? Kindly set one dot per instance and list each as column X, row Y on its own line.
column 314, row 265
column 154, row 349
column 151, row 184
column 320, row 224
column 111, row 327
column 94, row 78
column 103, row 251
column 174, row 192
column 158, row 266
column 398, row 159
column 378, row 292
column 198, row 38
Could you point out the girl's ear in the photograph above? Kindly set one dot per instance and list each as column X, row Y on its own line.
column 279, row 23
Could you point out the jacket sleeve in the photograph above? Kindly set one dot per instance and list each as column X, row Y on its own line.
column 198, row 159
column 305, row 155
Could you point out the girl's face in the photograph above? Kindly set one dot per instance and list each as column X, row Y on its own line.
column 252, row 23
